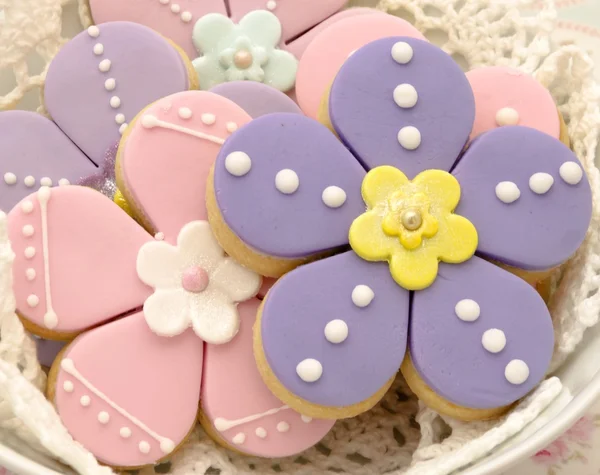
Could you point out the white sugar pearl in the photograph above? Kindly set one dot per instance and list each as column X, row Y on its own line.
column 467, row 310
column 507, row 116
column 208, row 119
column 405, row 96
column 541, row 183
column 68, row 386
column 103, row 417
column 336, row 331
column 507, row 192
column 239, row 439
column 516, row 372
column 283, row 426
column 28, row 230
column 409, row 137
column 287, row 181
column 333, row 196
column 493, row 340
column 125, row 432
column 238, row 163
column 309, row 370
column 362, row 295
column 144, row 447
column 185, row 112
column 98, row 49
column 261, row 432
column 571, row 173
column 402, row 52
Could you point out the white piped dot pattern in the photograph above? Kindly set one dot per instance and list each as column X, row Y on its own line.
column 103, row 417
column 46, row 181
column 28, row 230
column 336, row 331
column 493, row 340
column 261, row 432
column 125, row 432
column 30, row 274
column 239, row 439
column 185, row 113
column 208, row 119
column 10, row 178
column 571, row 173
column 93, row 31
column 98, row 49
column 402, row 52
column 238, row 163
column 175, row 8
column 33, row 300
column 467, row 310
column 309, row 370
column 283, row 427
column 110, row 84
column 362, row 295
column 29, row 252
column 104, row 65
column 68, row 386
column 29, row 181
column 271, row 5
column 306, row 419
column 507, row 192
column 333, row 196
column 516, row 372
column 409, row 137
column 85, row 401
column 405, row 96
column 27, row 206
column 63, row 182
column 231, row 127
column 287, row 181
column 507, row 116
column 144, row 447
column 540, row 183
column 186, row 17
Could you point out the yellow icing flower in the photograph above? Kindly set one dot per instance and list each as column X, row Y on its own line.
column 411, row 225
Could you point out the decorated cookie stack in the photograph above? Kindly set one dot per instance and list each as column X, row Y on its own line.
column 263, row 256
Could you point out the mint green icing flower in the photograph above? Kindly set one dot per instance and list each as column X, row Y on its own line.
column 243, row 52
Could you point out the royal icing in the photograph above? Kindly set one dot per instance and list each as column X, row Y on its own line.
column 287, row 181
column 362, row 295
column 493, row 340
column 467, row 310
column 507, row 192
column 336, row 331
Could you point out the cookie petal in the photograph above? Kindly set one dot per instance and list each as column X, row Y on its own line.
column 75, row 259
column 262, row 28
column 167, row 156
column 288, row 216
column 539, row 229
column 451, row 350
column 358, row 356
column 168, row 312
column 414, row 113
column 280, row 70
column 114, row 82
column 236, row 281
column 257, row 423
column 110, row 382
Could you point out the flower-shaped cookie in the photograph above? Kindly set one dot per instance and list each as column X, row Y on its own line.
column 332, row 334
column 175, row 19
column 247, row 51
column 153, row 297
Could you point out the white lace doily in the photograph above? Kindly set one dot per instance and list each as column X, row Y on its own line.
column 397, row 436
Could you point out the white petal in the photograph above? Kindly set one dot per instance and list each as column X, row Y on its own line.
column 237, row 282
column 198, row 246
column 262, row 27
column 159, row 265
column 167, row 312
column 215, row 319
column 209, row 70
column 210, row 30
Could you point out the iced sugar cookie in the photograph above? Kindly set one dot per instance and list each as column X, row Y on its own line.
column 507, row 96
column 175, row 19
column 327, row 52
column 154, row 296
column 255, row 98
column 332, row 334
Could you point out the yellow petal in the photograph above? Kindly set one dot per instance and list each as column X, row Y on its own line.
column 414, row 270
column 430, row 226
column 380, row 183
column 442, row 189
column 457, row 239
column 368, row 240
column 391, row 224
column 411, row 240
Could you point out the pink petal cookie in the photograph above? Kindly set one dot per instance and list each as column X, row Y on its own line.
column 325, row 55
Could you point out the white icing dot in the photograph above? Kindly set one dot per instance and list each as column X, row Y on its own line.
column 68, row 386
column 50, row 320
column 362, row 295
column 93, row 31
column 63, row 182
column 185, row 112
column 231, row 127
column 104, row 65
column 402, row 52
column 507, row 116
column 409, row 137
column 67, row 364
column 149, row 121
column 541, row 183
column 493, row 340
column 46, row 181
column 30, row 273
column 120, row 118
column 33, row 300
column 516, row 372
column 29, row 181
column 115, row 102
column 507, row 192
column 98, row 48
column 306, row 419
column 283, row 426
column 405, row 96
column 186, row 17
column 103, row 417
column 10, row 178
column 123, row 128
column 144, row 447
column 85, row 401
column 271, row 5
column 159, row 236
column 333, row 196
column 261, row 432
column 467, row 310
column 309, row 370
column 28, row 230
column 239, row 439
column 167, row 446
column 571, row 173
column 125, row 432
column 208, row 119
column 287, row 181
column 175, row 8
column 110, row 84
column 336, row 331
column 27, row 206
column 164, row 2
column 29, row 252
column 238, row 163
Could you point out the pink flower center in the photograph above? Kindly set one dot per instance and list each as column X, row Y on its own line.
column 194, row 279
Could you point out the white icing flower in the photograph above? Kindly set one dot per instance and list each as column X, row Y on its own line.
column 195, row 285
column 243, row 52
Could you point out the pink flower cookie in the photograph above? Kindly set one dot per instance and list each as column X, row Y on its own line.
column 175, row 19
column 163, row 317
column 423, row 219
column 94, row 86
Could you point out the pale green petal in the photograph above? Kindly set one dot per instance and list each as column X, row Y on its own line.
column 280, row 70
column 210, row 31
column 262, row 27
column 210, row 72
